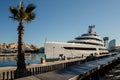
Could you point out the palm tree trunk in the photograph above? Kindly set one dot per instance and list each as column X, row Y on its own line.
column 21, row 58
column 21, row 70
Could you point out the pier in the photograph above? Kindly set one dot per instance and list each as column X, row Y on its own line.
column 66, row 70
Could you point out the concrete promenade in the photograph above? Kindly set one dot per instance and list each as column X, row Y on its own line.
column 77, row 72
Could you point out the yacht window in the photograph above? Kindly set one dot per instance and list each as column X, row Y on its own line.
column 79, row 48
column 88, row 38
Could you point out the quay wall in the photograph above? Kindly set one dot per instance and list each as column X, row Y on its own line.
column 8, row 73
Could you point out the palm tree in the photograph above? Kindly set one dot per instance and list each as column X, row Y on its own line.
column 21, row 14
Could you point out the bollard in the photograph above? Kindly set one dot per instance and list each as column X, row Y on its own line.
column 65, row 58
column 43, row 60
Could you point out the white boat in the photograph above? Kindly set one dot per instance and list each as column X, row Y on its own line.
column 84, row 45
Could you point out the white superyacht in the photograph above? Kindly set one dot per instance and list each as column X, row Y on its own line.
column 81, row 46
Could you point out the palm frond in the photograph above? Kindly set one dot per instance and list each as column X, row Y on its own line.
column 30, row 17
column 21, row 10
column 15, row 13
column 14, row 18
column 21, row 6
column 13, row 10
column 30, row 8
column 22, row 14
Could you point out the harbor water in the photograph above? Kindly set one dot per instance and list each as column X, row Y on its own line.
column 6, row 61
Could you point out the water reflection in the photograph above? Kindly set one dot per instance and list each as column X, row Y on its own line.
column 11, row 60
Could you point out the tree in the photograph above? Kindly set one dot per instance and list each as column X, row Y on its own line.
column 22, row 14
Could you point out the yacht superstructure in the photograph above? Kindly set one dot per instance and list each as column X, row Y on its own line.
column 82, row 45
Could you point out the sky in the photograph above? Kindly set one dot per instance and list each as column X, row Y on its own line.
column 62, row 20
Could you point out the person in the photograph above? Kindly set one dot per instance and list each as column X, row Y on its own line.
column 61, row 56
column 82, row 55
column 90, row 57
column 65, row 58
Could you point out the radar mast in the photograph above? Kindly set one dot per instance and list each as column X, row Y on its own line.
column 91, row 29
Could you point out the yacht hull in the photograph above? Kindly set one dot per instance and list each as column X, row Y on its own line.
column 70, row 50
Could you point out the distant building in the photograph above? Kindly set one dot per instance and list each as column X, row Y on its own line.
column 112, row 43
column 27, row 47
column 115, row 49
column 12, row 46
column 33, row 47
column 106, row 41
column 4, row 46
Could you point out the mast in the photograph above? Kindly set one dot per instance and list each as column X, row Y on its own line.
column 91, row 29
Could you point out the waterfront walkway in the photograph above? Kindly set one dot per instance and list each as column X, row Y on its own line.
column 40, row 69
column 79, row 71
